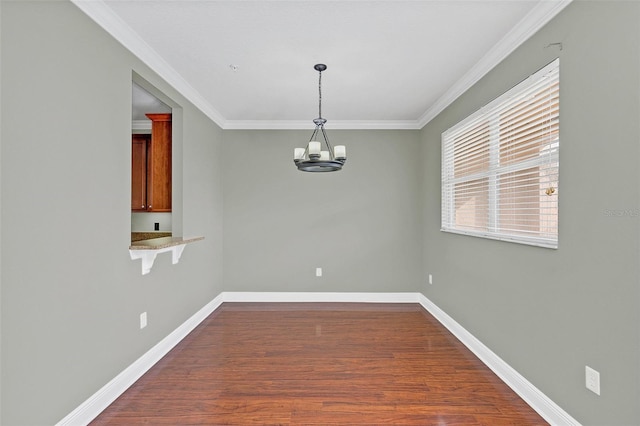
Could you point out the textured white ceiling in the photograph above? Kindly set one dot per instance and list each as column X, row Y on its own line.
column 387, row 60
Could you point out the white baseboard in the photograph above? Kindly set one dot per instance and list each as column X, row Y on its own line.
column 92, row 407
column 537, row 400
column 89, row 410
column 229, row 296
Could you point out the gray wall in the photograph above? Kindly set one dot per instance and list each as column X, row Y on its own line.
column 71, row 296
column 548, row 313
column 362, row 225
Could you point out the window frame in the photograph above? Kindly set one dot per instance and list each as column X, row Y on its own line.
column 487, row 120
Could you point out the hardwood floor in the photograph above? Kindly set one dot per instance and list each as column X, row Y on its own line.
column 319, row 363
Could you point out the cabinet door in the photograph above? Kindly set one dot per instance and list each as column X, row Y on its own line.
column 159, row 165
column 139, row 172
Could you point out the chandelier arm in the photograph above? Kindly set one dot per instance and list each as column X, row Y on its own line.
column 315, row 132
column 326, row 141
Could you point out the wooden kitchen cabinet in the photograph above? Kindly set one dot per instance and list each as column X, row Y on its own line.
column 151, row 189
column 139, row 145
column 159, row 164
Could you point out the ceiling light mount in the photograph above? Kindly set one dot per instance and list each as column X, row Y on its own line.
column 313, row 158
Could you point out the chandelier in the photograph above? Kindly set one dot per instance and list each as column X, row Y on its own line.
column 313, row 158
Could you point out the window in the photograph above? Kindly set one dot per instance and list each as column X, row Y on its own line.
column 500, row 166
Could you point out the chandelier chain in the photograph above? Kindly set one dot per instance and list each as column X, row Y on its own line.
column 320, row 94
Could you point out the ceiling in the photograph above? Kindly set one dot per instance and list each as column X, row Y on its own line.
column 391, row 64
column 143, row 102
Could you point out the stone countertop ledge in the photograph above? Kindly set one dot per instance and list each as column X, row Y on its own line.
column 147, row 250
column 163, row 242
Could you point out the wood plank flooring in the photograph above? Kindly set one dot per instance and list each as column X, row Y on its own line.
column 319, row 363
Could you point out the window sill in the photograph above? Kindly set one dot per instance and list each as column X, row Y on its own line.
column 147, row 250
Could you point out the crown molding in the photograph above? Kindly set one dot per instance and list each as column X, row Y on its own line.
column 334, row 125
column 106, row 18
column 542, row 13
column 141, row 124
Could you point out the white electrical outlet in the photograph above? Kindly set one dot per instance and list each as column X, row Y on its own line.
column 318, row 272
column 430, row 279
column 143, row 320
column 592, row 379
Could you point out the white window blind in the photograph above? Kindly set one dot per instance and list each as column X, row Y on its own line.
column 500, row 165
